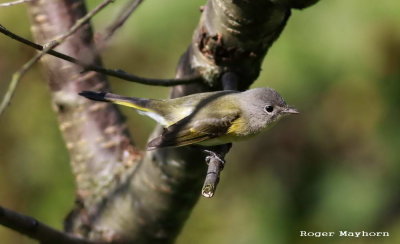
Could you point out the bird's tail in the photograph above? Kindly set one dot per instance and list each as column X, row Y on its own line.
column 133, row 102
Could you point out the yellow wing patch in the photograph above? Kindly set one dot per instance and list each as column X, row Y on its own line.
column 206, row 131
column 237, row 126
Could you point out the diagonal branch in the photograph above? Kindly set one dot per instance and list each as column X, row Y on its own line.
column 110, row 72
column 13, row 3
column 17, row 76
column 36, row 230
column 121, row 19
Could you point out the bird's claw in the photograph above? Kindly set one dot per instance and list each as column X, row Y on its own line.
column 213, row 155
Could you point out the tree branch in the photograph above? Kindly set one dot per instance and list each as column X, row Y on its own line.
column 230, row 81
column 13, row 3
column 103, row 156
column 17, row 76
column 216, row 163
column 110, row 72
column 36, row 230
column 120, row 20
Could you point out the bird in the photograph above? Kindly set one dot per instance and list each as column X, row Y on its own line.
column 208, row 118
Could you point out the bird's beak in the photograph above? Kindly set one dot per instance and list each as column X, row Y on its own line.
column 291, row 110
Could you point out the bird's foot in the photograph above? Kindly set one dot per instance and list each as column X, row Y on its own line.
column 213, row 155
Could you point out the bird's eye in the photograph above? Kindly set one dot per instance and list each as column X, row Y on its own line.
column 269, row 108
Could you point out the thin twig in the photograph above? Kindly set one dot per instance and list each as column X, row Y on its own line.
column 121, row 19
column 36, row 230
column 14, row 82
column 13, row 3
column 110, row 72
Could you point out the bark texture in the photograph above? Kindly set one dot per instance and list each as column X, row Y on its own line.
column 101, row 151
column 120, row 195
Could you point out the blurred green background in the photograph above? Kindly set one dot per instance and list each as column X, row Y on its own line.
column 335, row 167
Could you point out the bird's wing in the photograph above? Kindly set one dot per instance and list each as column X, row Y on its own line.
column 186, row 131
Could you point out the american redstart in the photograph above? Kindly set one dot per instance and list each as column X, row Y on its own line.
column 209, row 118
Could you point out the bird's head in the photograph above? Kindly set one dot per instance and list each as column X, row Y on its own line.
column 269, row 104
